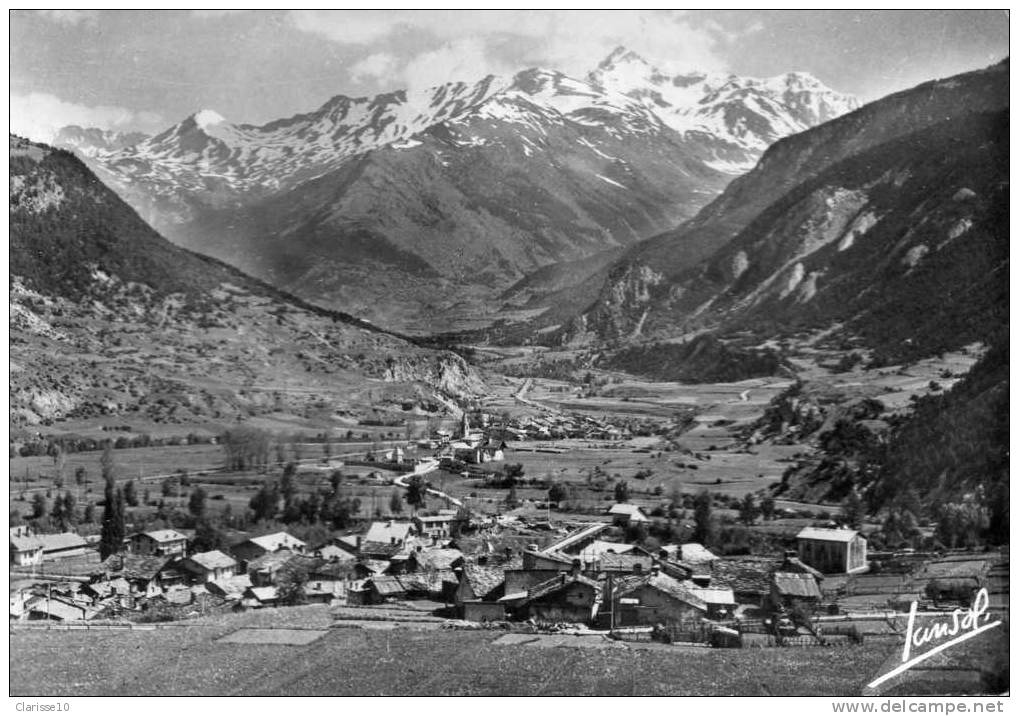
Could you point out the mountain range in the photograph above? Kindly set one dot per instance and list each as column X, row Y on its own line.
column 419, row 209
column 886, row 225
column 109, row 318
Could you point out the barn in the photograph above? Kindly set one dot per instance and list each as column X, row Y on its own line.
column 832, row 551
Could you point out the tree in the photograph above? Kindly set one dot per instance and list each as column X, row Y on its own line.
column 703, row 527
column 106, row 464
column 288, row 486
column 556, row 493
column 748, row 510
column 290, row 582
column 265, row 502
column 416, row 491
column 111, row 539
column 80, row 475
column 38, row 505
column 196, row 503
column 70, row 504
column 246, row 448
column 131, row 494
column 166, row 487
column 852, row 509
column 207, row 537
column 961, row 524
column 90, row 513
column 900, row 527
column 513, row 472
column 395, row 503
column 768, row 507
column 622, row 491
column 675, row 497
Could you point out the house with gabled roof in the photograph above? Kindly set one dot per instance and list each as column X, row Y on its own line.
column 479, row 583
column 832, row 551
column 26, row 548
column 571, row 598
column 424, row 559
column 161, row 543
column 209, row 566
column 793, row 589
column 652, row 598
column 626, row 514
column 257, row 546
column 148, row 575
column 65, row 544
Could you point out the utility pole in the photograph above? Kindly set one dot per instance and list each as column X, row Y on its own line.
column 612, row 606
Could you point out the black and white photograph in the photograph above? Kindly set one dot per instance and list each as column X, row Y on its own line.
column 495, row 353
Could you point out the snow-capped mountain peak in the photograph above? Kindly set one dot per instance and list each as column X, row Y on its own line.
column 746, row 112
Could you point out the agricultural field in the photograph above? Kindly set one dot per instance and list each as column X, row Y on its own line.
column 407, row 661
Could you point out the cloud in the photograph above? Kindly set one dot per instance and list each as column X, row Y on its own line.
column 460, row 60
column 70, row 17
column 38, row 116
column 353, row 27
column 380, row 66
column 572, row 41
column 215, row 13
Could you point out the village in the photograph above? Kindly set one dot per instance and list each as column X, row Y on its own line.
column 455, row 568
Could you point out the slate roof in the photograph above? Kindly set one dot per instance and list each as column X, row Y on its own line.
column 623, row 508
column 609, row 562
column 388, row 586
column 793, row 584
column 275, row 541
column 264, row 594
column 132, row 567
column 332, row 552
column 746, row 575
column 600, row 547
column 376, row 566
column 429, row 519
column 271, row 561
column 165, row 535
column 714, row 595
column 59, row 609
column 385, row 531
column 383, row 548
column 551, row 586
column 483, row 580
column 826, row 535
column 231, row 586
column 661, row 582
column 793, row 564
column 64, row 540
column 437, row 558
column 213, row 560
column 696, row 553
column 25, row 543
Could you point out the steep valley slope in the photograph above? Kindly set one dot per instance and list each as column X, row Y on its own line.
column 109, row 318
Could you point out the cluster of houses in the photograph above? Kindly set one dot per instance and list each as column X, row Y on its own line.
column 558, row 426
column 582, row 578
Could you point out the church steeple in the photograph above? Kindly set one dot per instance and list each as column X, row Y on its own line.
column 465, row 426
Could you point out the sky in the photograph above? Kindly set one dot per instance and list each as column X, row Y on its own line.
column 146, row 70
